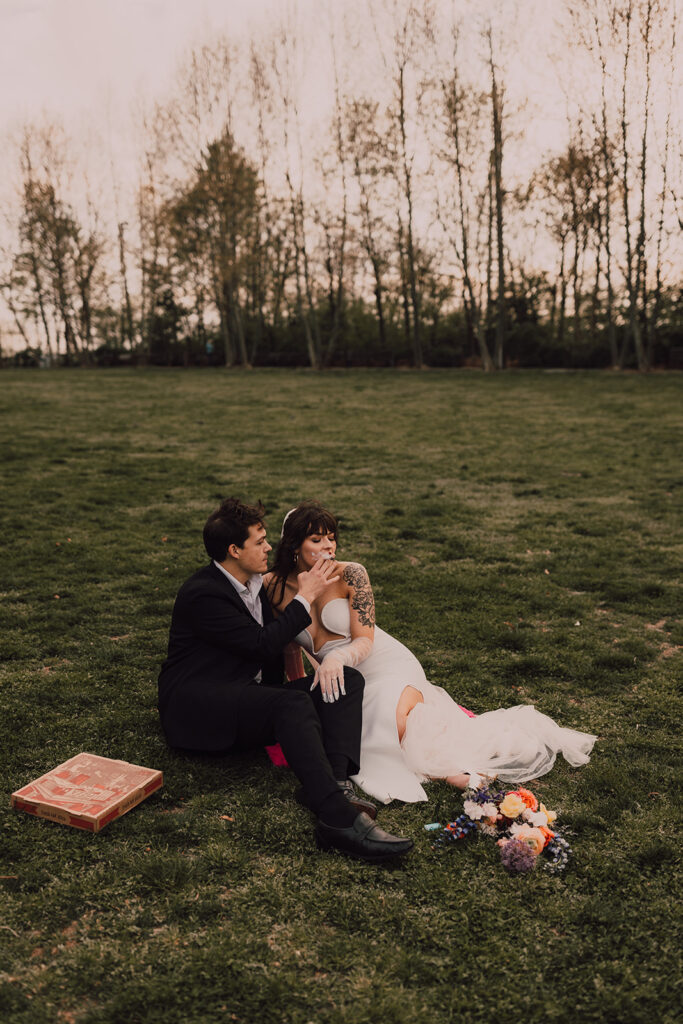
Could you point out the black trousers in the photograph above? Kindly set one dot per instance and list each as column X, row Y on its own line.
column 309, row 731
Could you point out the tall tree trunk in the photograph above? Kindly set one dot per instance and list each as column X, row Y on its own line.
column 489, row 254
column 127, row 318
column 338, row 292
column 475, row 322
column 631, row 257
column 657, row 297
column 608, row 172
column 411, row 259
column 576, row 230
column 563, row 292
column 595, row 298
column 496, row 110
column 641, row 256
column 405, row 301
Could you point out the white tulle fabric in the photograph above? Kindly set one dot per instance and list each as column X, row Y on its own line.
column 517, row 743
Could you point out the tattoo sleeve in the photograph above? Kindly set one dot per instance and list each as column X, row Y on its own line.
column 362, row 599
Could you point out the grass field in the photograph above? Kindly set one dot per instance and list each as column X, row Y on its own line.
column 522, row 533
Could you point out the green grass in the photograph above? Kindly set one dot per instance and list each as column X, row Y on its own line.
column 521, row 534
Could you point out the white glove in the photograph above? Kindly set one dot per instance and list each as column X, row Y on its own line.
column 330, row 673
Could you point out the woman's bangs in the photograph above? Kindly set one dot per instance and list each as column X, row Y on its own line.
column 322, row 523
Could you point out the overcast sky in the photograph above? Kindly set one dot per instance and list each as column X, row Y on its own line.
column 87, row 64
column 74, row 56
column 91, row 59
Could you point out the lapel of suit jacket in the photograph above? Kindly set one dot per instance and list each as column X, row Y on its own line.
column 230, row 591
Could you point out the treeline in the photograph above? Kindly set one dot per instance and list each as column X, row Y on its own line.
column 408, row 230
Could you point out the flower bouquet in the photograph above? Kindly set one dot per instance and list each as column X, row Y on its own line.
column 515, row 818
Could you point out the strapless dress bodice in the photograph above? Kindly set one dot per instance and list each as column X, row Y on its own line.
column 336, row 618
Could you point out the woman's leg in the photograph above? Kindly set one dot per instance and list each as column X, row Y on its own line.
column 461, row 781
column 407, row 701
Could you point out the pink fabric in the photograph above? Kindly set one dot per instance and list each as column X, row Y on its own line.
column 471, row 714
column 276, row 756
column 294, row 669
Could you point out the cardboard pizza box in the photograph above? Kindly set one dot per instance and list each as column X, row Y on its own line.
column 88, row 791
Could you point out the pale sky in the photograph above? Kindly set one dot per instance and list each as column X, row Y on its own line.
column 74, row 56
column 89, row 60
column 90, row 64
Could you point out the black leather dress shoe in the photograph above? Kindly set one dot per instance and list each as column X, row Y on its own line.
column 359, row 802
column 363, row 840
column 349, row 792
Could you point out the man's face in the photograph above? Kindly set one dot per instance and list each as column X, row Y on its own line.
column 253, row 556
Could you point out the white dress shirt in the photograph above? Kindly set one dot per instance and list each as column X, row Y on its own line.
column 249, row 593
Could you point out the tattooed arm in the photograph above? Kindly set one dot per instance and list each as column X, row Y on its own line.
column 361, row 597
column 330, row 673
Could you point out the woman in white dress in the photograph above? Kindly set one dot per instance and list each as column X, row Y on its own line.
column 412, row 730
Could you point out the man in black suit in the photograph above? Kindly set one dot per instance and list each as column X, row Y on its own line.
column 221, row 686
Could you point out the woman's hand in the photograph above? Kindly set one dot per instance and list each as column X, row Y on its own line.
column 330, row 675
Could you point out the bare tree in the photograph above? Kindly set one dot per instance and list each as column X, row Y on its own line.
column 283, row 51
column 54, row 266
column 497, row 173
column 653, row 318
column 370, row 170
column 462, row 120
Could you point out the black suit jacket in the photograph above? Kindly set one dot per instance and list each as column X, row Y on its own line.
column 215, row 649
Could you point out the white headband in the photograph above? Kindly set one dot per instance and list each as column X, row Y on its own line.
column 282, row 531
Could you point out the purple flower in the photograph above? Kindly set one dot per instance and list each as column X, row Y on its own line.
column 517, row 857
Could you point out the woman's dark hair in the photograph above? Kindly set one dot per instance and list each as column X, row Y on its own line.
column 229, row 524
column 308, row 517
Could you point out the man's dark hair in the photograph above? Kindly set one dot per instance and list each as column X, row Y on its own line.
column 229, row 524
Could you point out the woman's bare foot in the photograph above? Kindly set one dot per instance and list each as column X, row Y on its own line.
column 461, row 781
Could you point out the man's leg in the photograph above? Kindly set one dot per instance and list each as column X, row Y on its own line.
column 341, row 730
column 289, row 716
column 341, row 721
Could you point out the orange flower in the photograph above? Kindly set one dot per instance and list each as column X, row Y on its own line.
column 528, row 798
column 532, row 837
column 546, row 833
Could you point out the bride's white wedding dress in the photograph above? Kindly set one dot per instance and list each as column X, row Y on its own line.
column 440, row 739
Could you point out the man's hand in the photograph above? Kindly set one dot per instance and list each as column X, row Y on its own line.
column 330, row 676
column 311, row 584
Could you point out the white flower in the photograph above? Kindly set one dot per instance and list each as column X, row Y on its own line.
column 488, row 830
column 477, row 811
column 538, row 819
column 473, row 810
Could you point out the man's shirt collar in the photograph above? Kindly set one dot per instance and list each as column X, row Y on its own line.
column 253, row 584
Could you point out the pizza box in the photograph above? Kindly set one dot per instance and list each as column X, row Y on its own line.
column 88, row 791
